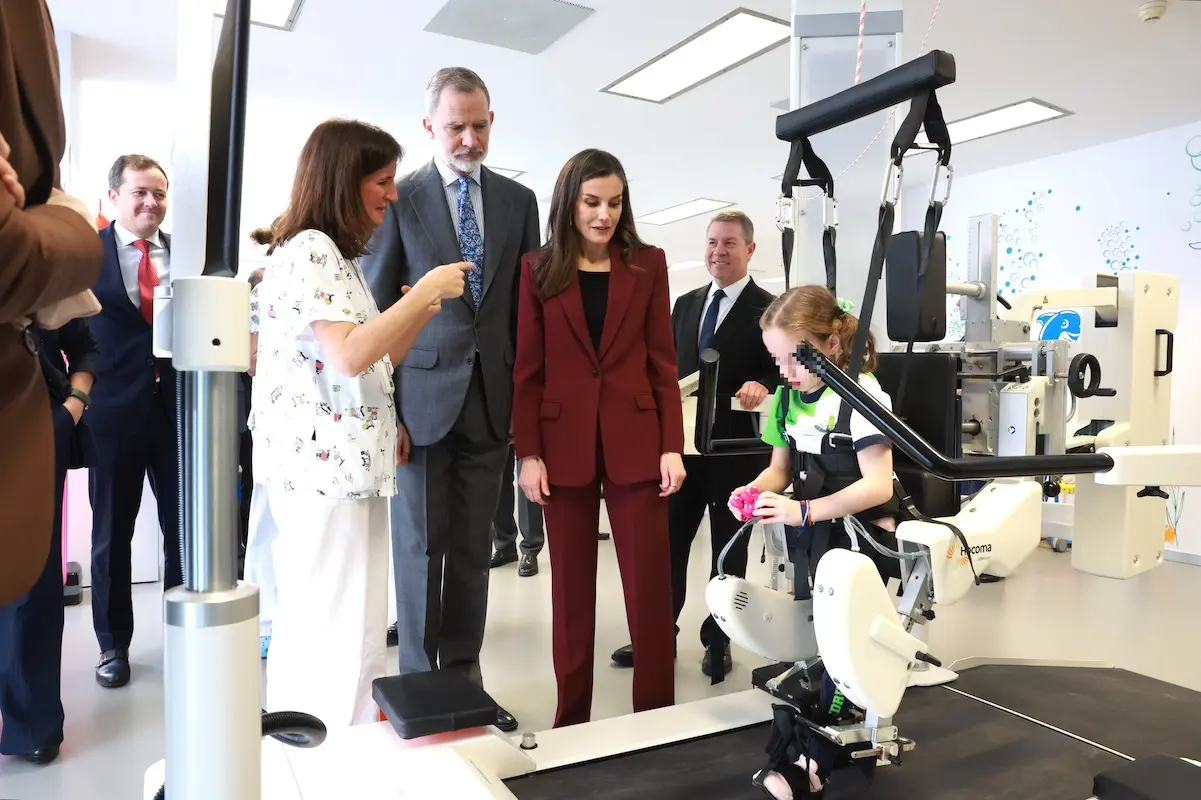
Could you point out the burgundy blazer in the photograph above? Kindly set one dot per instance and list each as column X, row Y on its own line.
column 565, row 390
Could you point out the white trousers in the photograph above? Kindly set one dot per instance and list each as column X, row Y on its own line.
column 260, row 566
column 331, row 617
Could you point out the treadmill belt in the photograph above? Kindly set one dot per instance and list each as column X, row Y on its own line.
column 969, row 751
column 965, row 749
column 1124, row 711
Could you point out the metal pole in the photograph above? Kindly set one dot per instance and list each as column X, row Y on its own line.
column 972, row 289
column 211, row 475
column 795, row 47
column 212, row 670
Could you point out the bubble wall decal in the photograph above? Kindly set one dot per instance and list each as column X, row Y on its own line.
column 1193, row 149
column 1018, row 233
column 956, row 322
column 1117, row 248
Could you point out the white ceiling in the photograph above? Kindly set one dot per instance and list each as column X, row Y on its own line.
column 371, row 59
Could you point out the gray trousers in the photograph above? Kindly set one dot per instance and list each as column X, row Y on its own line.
column 529, row 517
column 441, row 542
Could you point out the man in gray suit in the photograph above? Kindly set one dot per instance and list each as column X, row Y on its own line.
column 454, row 389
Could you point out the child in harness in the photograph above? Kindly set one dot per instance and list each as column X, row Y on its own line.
column 838, row 465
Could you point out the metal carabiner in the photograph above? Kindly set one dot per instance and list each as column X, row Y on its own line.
column 892, row 182
column 938, row 167
column 829, row 211
column 783, row 213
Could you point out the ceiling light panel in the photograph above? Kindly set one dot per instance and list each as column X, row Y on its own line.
column 728, row 43
column 666, row 216
column 1000, row 120
column 268, row 13
column 680, row 266
column 508, row 173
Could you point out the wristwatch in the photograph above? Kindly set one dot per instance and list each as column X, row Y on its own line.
column 81, row 396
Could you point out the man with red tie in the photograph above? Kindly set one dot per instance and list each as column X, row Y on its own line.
column 132, row 411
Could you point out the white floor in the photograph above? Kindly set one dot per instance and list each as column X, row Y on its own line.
column 1147, row 625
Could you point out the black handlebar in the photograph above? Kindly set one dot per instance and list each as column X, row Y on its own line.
column 706, row 411
column 924, row 454
column 915, row 79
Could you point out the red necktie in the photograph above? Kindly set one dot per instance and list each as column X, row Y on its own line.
column 147, row 280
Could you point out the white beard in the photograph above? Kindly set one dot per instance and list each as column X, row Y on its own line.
column 463, row 164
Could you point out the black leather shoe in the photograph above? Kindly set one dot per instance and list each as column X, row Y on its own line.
column 499, row 559
column 505, row 721
column 707, row 663
column 393, row 636
column 528, row 567
column 623, row 657
column 43, row 755
column 113, row 670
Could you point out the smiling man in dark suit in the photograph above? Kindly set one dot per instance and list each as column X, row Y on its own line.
column 454, row 389
column 723, row 315
column 132, row 415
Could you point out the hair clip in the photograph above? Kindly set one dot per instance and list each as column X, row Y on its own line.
column 846, row 305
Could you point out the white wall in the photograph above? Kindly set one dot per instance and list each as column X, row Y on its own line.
column 1131, row 204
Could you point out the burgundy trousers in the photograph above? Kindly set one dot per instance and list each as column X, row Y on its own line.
column 639, row 520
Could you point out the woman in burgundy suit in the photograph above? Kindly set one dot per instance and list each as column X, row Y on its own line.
column 596, row 401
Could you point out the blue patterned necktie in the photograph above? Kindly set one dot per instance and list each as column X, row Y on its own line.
column 709, row 325
column 471, row 244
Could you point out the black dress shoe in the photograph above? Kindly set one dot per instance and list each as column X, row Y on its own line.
column 707, row 662
column 505, row 721
column 43, row 755
column 113, row 670
column 623, row 657
column 499, row 559
column 528, row 567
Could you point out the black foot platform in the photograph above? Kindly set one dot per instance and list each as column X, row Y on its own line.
column 967, row 748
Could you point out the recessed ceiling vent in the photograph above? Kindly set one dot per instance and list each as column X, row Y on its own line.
column 527, row 26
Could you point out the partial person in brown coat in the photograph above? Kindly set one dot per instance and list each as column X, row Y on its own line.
column 48, row 252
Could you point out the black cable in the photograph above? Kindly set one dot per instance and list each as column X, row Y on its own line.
column 292, row 728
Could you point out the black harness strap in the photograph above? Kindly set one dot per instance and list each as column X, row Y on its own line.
column 820, row 176
column 924, row 112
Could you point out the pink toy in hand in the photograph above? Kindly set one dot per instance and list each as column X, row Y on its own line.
column 745, row 503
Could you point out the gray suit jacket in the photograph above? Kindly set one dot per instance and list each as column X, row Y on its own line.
column 417, row 235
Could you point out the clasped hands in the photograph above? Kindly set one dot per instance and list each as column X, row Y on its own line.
column 536, row 487
column 770, row 508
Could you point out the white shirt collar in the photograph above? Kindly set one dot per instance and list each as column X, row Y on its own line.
column 450, row 177
column 732, row 291
column 125, row 238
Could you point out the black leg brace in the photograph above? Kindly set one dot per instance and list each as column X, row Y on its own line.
column 790, row 739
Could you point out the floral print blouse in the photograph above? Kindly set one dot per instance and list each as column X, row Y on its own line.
column 317, row 432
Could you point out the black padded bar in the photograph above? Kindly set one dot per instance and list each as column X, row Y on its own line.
column 706, row 410
column 227, row 133
column 920, row 76
column 924, row 454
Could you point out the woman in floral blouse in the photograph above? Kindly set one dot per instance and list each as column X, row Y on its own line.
column 324, row 422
